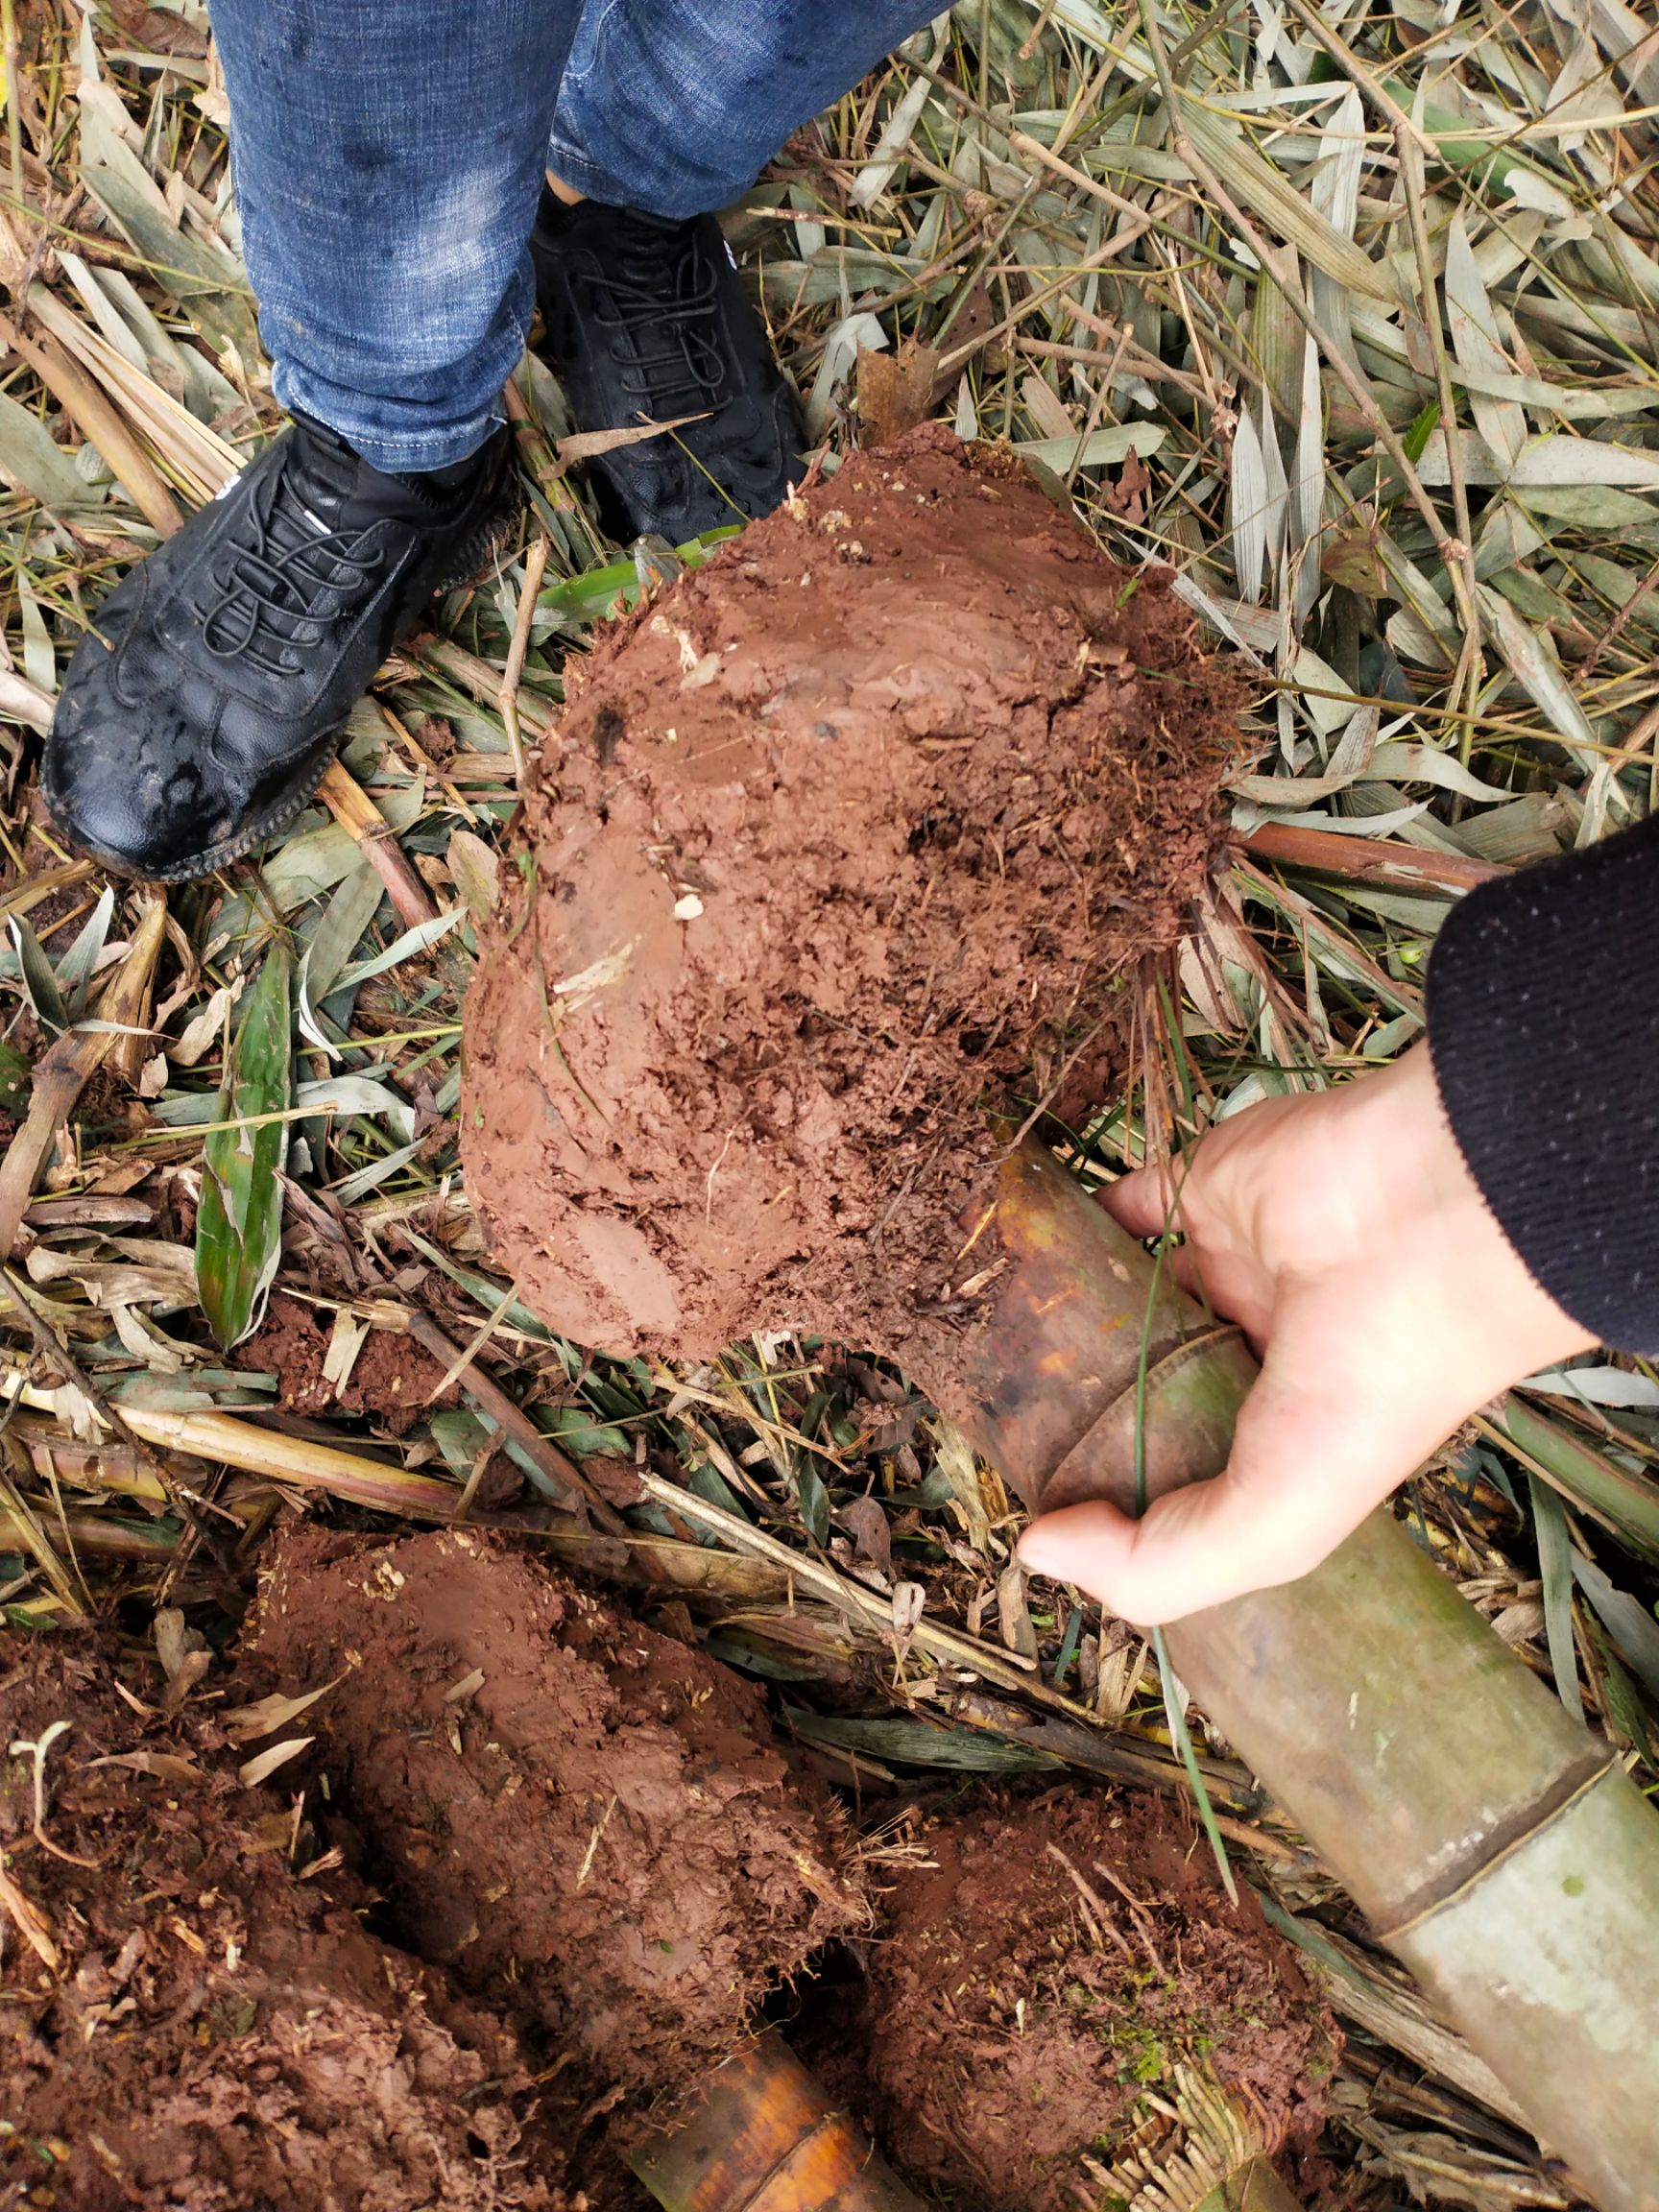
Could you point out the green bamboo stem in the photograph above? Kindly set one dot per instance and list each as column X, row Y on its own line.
column 1486, row 1836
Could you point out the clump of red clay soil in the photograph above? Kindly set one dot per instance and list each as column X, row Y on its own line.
column 853, row 835
column 390, row 1376
column 1057, row 1962
column 586, row 1823
column 205, row 2031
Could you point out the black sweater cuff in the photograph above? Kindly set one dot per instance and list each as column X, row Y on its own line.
column 1543, row 1007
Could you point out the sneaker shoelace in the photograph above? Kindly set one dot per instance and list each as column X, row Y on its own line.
column 661, row 297
column 281, row 563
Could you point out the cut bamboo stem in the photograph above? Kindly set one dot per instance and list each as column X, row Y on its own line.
column 763, row 2137
column 1490, row 1840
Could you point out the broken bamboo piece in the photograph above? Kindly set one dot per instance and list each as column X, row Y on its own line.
column 1490, row 1840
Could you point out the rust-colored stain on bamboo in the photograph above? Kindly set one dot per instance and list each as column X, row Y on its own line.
column 762, row 2139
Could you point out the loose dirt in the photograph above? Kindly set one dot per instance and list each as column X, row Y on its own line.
column 586, row 1823
column 217, row 2035
column 525, row 1877
column 390, row 1376
column 854, row 833
column 1021, row 2007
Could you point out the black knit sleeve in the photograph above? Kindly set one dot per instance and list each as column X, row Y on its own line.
column 1543, row 1010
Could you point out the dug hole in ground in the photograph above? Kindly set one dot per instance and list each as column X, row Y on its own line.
column 452, row 1881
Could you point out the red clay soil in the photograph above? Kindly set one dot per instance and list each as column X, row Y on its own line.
column 390, row 1376
column 855, row 832
column 1006, row 2046
column 217, row 2035
column 584, row 1822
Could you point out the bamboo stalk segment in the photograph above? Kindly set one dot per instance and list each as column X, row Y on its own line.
column 763, row 2137
column 299, row 1460
column 96, row 1534
column 1479, row 1827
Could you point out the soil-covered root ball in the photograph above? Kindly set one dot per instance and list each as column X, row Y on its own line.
column 587, row 1824
column 1048, row 1970
column 184, row 2023
column 851, row 835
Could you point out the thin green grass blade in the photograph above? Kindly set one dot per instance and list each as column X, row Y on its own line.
column 239, row 1224
column 1180, row 1735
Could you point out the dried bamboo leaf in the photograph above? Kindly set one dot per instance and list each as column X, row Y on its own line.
column 1529, row 660
column 1271, row 196
column 63, row 1071
column 1501, row 423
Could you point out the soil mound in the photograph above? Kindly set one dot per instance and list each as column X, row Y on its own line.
column 217, row 2035
column 853, row 835
column 1050, row 1970
column 586, row 1823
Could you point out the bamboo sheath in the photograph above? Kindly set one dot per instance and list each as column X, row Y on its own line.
column 1483, row 1831
column 763, row 2137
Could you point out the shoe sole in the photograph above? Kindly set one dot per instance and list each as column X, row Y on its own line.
column 479, row 549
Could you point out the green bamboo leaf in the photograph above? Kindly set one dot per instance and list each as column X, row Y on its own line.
column 1627, row 1502
column 582, row 1435
column 1423, row 429
column 919, row 1743
column 1628, row 1621
column 76, row 968
column 239, row 1225
column 40, row 984
column 813, row 1501
column 615, row 590
column 1555, row 1567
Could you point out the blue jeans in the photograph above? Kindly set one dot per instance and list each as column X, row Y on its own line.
column 389, row 156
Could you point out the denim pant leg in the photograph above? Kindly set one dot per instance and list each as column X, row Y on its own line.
column 388, row 155
column 675, row 105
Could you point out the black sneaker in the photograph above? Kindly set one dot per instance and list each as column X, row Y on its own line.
column 646, row 321
column 202, row 708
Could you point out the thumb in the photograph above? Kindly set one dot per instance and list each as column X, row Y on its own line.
column 1319, row 1443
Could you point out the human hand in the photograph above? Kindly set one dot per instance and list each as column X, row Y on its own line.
column 1345, row 1235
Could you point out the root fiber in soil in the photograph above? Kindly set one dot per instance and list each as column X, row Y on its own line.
column 1046, row 1974
column 587, row 1824
column 215, row 2034
column 850, row 836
